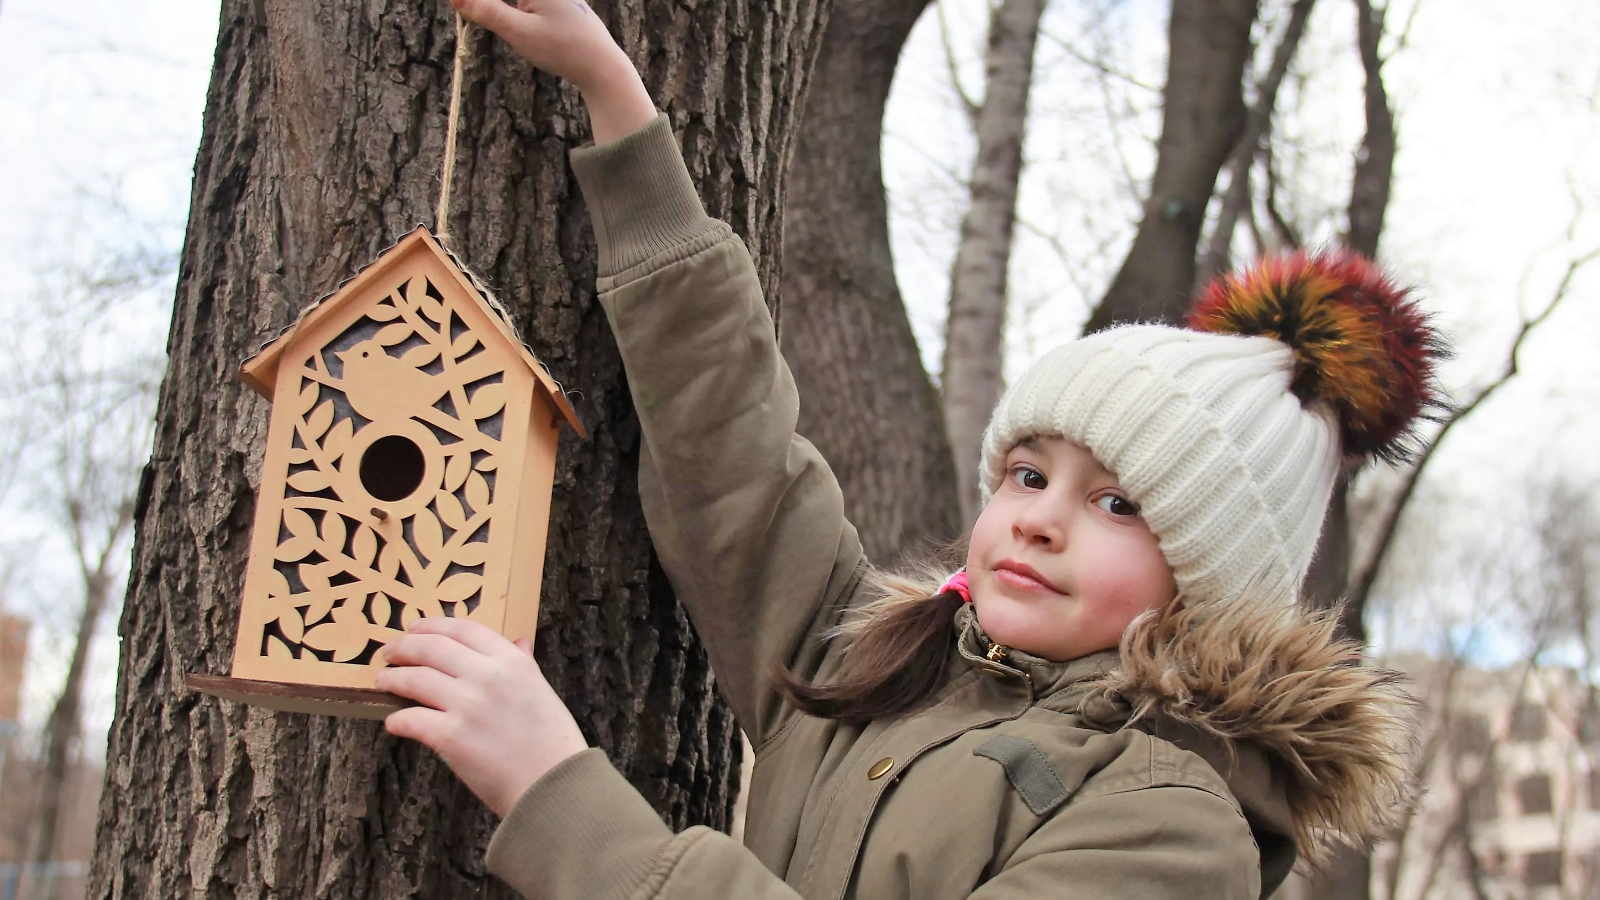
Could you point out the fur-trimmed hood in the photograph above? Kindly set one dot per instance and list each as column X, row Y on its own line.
column 1339, row 734
column 1316, row 744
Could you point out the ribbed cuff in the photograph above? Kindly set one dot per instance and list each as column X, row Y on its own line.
column 640, row 197
column 580, row 831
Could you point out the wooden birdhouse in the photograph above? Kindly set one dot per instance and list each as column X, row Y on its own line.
column 408, row 473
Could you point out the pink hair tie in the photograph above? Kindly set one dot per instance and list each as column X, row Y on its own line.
column 958, row 583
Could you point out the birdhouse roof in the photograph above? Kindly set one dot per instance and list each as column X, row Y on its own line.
column 260, row 371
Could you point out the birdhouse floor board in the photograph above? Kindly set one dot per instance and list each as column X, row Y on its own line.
column 359, row 703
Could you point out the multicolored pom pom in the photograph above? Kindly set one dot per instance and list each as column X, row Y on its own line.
column 1361, row 343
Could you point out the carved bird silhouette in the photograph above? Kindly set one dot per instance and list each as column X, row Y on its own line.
column 380, row 386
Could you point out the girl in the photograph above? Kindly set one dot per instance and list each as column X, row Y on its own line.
column 1116, row 698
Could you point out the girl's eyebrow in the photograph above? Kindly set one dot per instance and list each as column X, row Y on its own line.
column 1031, row 444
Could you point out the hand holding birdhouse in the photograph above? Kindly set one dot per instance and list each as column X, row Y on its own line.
column 486, row 707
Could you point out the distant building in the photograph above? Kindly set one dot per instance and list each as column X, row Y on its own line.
column 13, row 657
column 20, row 774
column 1514, row 774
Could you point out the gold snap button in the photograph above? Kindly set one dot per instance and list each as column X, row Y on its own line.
column 880, row 767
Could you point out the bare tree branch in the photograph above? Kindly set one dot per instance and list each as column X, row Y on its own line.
column 1374, row 175
column 1257, row 128
column 1387, row 527
column 969, row 106
column 1284, row 232
column 1097, row 62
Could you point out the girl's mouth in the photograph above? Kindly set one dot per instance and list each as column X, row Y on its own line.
column 1022, row 577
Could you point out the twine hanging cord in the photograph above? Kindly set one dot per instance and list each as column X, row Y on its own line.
column 441, row 219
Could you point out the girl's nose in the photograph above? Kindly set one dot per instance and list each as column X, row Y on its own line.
column 1041, row 521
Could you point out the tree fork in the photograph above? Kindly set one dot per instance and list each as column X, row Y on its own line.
column 1203, row 116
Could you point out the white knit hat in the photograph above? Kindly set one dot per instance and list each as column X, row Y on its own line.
column 1230, row 443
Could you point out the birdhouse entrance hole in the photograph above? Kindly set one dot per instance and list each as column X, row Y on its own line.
column 392, row 468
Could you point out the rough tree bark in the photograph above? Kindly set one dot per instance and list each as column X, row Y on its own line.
column 1203, row 115
column 322, row 143
column 972, row 376
column 865, row 399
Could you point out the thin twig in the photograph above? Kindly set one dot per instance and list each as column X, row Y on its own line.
column 1096, row 63
column 968, row 106
column 1391, row 520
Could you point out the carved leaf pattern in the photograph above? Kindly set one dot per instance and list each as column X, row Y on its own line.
column 310, row 481
column 475, row 553
column 384, row 312
column 342, row 571
column 338, row 438
column 365, row 546
column 477, row 492
column 455, row 471
column 307, row 398
column 488, row 400
column 389, row 335
column 450, row 511
column 317, row 423
column 417, row 357
column 426, row 532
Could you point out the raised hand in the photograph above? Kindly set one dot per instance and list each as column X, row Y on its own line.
column 486, row 707
column 566, row 39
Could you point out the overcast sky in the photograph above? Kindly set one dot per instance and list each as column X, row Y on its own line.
column 104, row 99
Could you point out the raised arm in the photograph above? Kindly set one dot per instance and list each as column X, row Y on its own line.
column 745, row 515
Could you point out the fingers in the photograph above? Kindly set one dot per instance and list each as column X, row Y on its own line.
column 495, row 15
column 468, row 632
column 430, row 687
column 419, row 723
column 439, row 651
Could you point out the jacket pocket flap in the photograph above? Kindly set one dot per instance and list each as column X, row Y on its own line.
column 1028, row 769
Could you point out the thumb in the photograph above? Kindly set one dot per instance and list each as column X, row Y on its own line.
column 525, row 645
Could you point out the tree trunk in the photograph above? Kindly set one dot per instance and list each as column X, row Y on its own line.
column 63, row 727
column 972, row 376
column 322, row 143
column 1374, row 175
column 1258, row 126
column 1350, row 875
column 1329, row 581
column 1203, row 115
column 866, row 401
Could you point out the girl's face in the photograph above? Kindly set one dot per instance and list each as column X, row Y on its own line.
column 1060, row 560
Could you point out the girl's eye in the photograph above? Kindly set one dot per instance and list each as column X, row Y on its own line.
column 1025, row 477
column 1117, row 505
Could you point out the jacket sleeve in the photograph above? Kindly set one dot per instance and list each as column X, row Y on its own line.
column 1159, row 843
column 583, row 831
column 746, row 516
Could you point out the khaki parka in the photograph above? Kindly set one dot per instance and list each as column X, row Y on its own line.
column 1021, row 778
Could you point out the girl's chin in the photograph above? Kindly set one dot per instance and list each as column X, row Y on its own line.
column 1014, row 625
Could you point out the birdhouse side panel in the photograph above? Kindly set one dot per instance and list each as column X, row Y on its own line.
column 390, row 481
column 533, row 522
